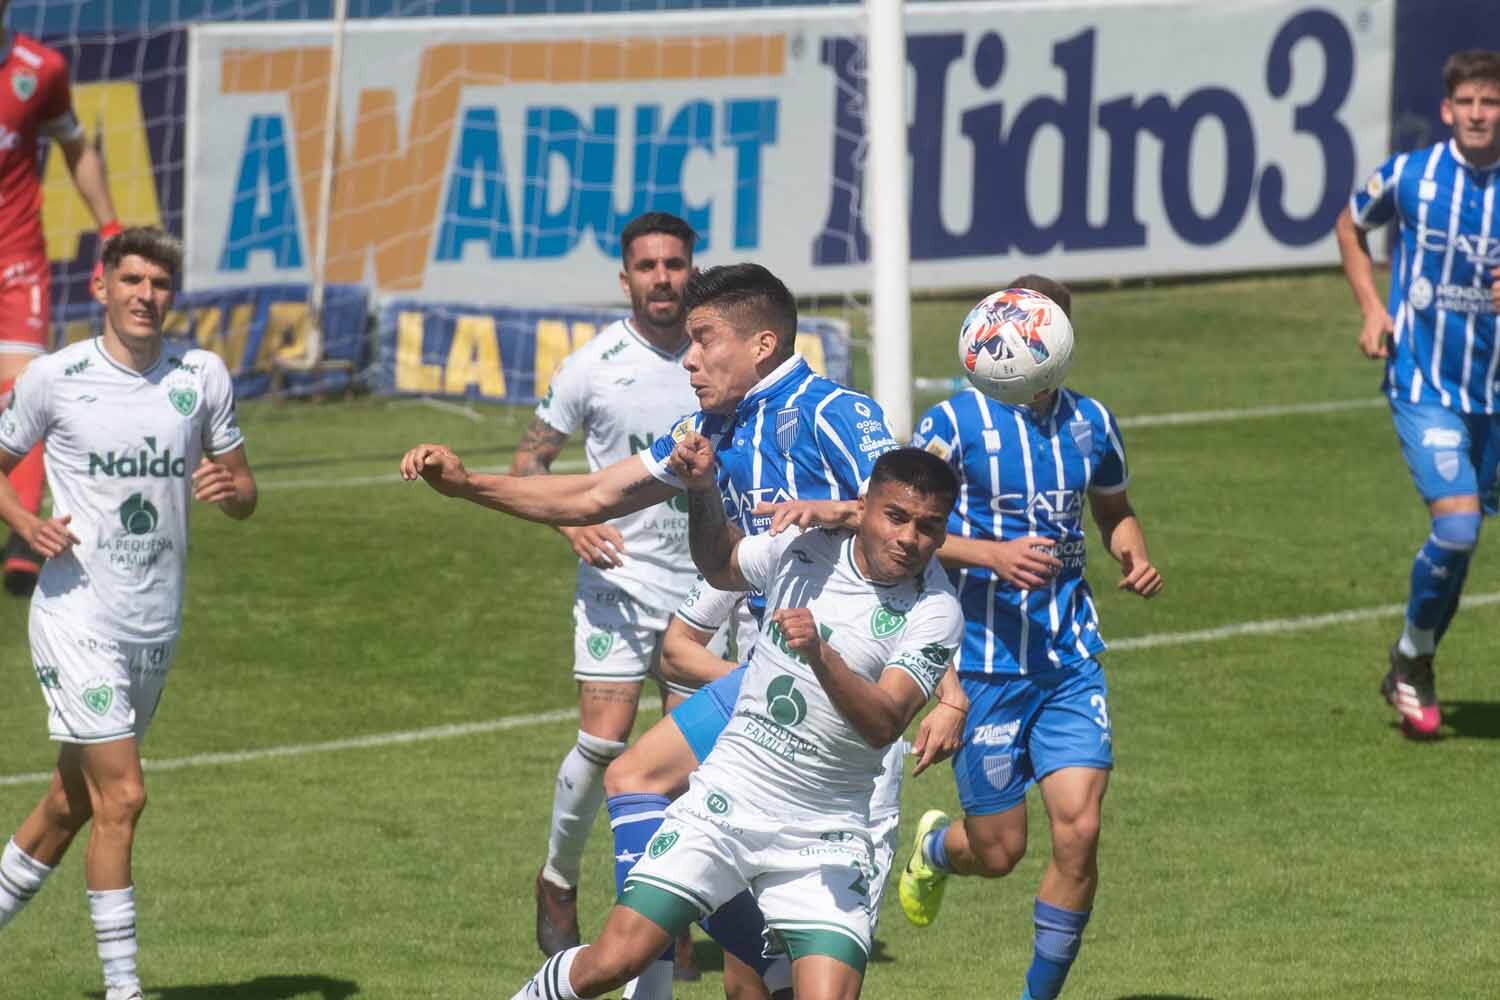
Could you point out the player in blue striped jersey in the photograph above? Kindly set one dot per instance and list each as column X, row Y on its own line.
column 1436, row 333
column 1038, row 704
column 779, row 430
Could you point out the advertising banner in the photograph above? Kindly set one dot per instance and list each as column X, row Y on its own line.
column 252, row 328
column 497, row 354
column 506, row 154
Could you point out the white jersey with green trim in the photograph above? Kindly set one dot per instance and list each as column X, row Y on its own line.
column 121, row 447
column 622, row 393
column 787, row 747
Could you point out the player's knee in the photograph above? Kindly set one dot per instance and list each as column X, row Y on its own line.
column 622, row 774
column 1457, row 532
column 121, row 804
column 1076, row 838
column 635, row 772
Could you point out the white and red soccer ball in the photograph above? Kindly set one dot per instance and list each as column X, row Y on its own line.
column 1016, row 345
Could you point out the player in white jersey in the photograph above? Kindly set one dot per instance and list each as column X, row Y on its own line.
column 853, row 643
column 620, row 389
column 134, row 428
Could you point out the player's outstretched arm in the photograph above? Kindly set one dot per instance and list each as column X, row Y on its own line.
column 1122, row 534
column 686, row 659
column 1025, row 563
column 599, row 545
column 226, row 480
column 878, row 712
column 50, row 537
column 622, row 488
column 1359, row 270
column 804, row 514
column 711, row 538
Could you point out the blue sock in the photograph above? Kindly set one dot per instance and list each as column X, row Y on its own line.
column 1437, row 574
column 634, row 819
column 1059, row 932
column 935, row 850
column 1452, row 607
column 739, row 928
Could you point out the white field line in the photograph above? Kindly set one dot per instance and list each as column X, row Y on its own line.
column 1277, row 626
column 1250, row 413
column 1186, row 418
column 354, row 743
column 1270, row 626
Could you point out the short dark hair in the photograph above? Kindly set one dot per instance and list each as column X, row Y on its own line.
column 919, row 469
column 1050, row 287
column 1470, row 64
column 655, row 222
column 756, row 297
column 156, row 245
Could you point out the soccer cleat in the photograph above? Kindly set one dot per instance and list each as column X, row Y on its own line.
column 1411, row 691
column 921, row 887
column 684, row 964
column 556, row 917
column 21, row 566
column 124, row 993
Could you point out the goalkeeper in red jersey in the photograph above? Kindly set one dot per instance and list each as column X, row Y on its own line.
column 35, row 103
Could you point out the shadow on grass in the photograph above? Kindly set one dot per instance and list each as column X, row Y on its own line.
column 260, row 988
column 1160, row 996
column 1472, row 720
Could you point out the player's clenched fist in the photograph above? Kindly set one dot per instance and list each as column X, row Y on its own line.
column 437, row 464
column 1139, row 577
column 692, row 461
column 800, row 630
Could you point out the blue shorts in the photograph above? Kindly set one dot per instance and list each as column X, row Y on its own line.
column 1450, row 454
column 1021, row 729
column 703, row 716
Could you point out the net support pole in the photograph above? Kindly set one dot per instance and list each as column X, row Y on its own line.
column 325, row 180
column 888, row 213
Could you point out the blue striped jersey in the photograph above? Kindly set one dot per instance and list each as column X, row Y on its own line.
column 1445, row 350
column 1022, row 475
column 795, row 436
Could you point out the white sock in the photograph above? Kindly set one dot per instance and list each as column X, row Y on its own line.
column 575, row 804
column 1417, row 641
column 21, row 877
column 551, row 981
column 113, row 912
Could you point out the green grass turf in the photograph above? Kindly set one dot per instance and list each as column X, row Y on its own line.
column 1268, row 833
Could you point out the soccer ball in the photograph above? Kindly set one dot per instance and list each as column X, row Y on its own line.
column 1015, row 345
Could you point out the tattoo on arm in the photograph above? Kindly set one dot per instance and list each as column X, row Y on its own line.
column 539, row 447
column 639, row 484
column 710, row 535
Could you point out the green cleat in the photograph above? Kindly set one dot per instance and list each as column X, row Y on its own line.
column 921, row 888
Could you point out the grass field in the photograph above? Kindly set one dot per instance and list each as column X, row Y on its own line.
column 1268, row 831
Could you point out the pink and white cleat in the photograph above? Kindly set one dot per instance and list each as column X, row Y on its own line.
column 1411, row 691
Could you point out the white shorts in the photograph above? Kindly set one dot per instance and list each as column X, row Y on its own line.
column 615, row 638
column 815, row 887
column 886, row 831
column 98, row 689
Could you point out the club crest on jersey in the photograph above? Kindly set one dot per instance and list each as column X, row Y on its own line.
column 885, row 622
column 788, row 421
column 183, row 400
column 1083, row 435
column 23, row 84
